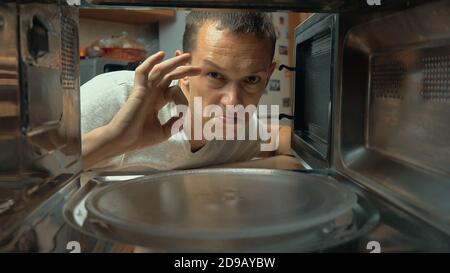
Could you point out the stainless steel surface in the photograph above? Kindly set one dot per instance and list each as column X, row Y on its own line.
column 45, row 229
column 224, row 210
column 39, row 107
column 391, row 129
column 293, row 5
column 9, row 89
column 397, row 230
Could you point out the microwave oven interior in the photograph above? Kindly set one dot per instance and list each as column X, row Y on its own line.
column 388, row 104
column 392, row 107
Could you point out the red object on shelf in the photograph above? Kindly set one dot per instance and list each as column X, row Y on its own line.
column 128, row 54
column 82, row 52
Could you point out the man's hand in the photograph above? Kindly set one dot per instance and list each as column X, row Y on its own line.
column 136, row 124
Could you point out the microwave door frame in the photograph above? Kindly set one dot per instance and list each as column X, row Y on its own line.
column 315, row 26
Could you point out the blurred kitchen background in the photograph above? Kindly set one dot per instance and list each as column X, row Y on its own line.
column 112, row 40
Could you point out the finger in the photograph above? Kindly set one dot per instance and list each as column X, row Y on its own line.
column 148, row 64
column 143, row 69
column 167, row 127
column 159, row 70
column 179, row 73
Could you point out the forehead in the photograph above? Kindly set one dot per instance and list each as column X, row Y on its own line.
column 229, row 49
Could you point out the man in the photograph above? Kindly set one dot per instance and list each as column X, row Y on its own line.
column 128, row 117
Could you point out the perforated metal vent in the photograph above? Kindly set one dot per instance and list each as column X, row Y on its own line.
column 436, row 78
column 386, row 80
column 69, row 52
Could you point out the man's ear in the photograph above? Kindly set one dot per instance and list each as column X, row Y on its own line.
column 272, row 67
column 183, row 83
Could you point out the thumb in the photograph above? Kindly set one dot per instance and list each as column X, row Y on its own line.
column 175, row 94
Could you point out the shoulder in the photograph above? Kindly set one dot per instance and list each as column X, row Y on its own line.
column 107, row 87
column 102, row 96
column 108, row 81
column 282, row 141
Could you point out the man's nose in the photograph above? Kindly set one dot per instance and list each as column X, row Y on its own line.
column 230, row 95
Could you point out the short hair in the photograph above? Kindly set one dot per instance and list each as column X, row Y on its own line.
column 237, row 21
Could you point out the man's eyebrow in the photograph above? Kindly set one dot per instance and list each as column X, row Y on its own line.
column 208, row 62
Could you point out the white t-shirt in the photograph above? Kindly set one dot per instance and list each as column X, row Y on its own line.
column 101, row 99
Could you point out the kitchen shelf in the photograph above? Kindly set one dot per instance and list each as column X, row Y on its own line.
column 127, row 16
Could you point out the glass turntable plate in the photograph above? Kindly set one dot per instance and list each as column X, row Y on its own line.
column 220, row 209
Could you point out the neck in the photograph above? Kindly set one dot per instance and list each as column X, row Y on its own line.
column 197, row 145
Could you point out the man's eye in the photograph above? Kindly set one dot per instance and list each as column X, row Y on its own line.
column 253, row 79
column 214, row 75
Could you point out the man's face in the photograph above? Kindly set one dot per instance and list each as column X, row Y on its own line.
column 235, row 69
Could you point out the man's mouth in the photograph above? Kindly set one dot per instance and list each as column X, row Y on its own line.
column 229, row 120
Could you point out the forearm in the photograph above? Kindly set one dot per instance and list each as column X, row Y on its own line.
column 282, row 162
column 98, row 145
column 284, row 144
